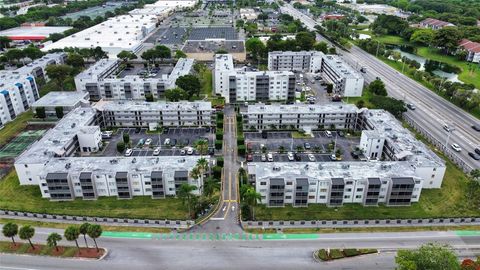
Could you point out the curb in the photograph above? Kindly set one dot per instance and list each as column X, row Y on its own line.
column 59, row 257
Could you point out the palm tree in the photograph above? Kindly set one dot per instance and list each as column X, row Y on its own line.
column 203, row 166
column 26, row 233
column 95, row 231
column 53, row 239
column 10, row 230
column 210, row 186
column 185, row 193
column 83, row 230
column 202, row 147
column 251, row 199
column 71, row 234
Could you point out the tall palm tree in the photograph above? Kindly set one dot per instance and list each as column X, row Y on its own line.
column 94, row 231
column 84, row 230
column 251, row 199
column 53, row 239
column 202, row 147
column 203, row 166
column 9, row 230
column 26, row 233
column 185, row 194
column 71, row 234
column 210, row 186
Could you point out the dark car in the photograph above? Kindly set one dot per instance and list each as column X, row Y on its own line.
column 477, row 150
column 137, row 130
column 474, row 156
column 297, row 157
column 173, row 142
column 341, row 134
column 476, row 127
column 411, row 106
column 211, row 151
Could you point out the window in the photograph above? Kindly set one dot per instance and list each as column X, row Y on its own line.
column 289, row 183
column 311, row 197
column 323, row 190
column 263, row 183
column 358, row 197
column 433, row 175
column 288, row 197
column 359, row 189
column 349, row 183
column 346, row 197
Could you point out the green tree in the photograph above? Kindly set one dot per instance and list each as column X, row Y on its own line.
column 190, row 84
column 10, row 230
column 120, row 147
column 26, row 233
column 321, row 46
column 394, row 106
column 377, row 87
column 256, row 48
column 32, row 52
column 126, row 138
column 427, row 257
column 388, row 24
column 210, row 186
column 53, row 239
column 423, row 36
column 84, row 229
column 72, row 233
column 201, row 146
column 149, row 97
column 163, row 51
column 252, row 197
column 4, row 42
column 126, row 55
column 75, row 60
column 447, row 38
column 175, row 94
column 475, row 174
column 179, row 54
column 95, row 231
column 59, row 112
column 40, row 112
column 98, row 53
column 186, row 195
column 13, row 55
column 305, row 40
column 58, row 74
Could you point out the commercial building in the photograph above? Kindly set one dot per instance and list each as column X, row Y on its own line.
column 434, row 24
column 32, row 33
column 300, row 116
column 346, row 81
column 205, row 50
column 126, row 113
column 62, row 165
column 248, row 14
column 100, row 81
column 304, row 61
column 240, row 85
column 179, row 4
column 68, row 101
column 472, row 49
column 125, row 32
column 18, row 88
column 335, row 183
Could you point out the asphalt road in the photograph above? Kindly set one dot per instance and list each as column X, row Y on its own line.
column 240, row 254
column 432, row 110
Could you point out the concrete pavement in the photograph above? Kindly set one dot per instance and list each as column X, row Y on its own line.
column 432, row 110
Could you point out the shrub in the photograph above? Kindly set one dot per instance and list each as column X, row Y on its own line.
column 120, row 147
column 322, row 255
column 217, row 172
column 220, row 124
column 220, row 162
column 126, row 138
column 240, row 140
column 350, row 252
column 218, row 144
column 219, row 135
column 336, row 254
column 241, row 150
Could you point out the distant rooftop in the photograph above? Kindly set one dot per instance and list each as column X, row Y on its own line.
column 341, row 67
column 129, row 105
column 208, row 46
column 260, row 108
column 61, row 98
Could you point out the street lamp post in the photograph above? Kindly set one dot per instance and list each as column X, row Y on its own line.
column 378, row 46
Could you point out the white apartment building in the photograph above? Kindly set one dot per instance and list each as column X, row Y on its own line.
column 346, row 81
column 60, row 165
column 100, row 81
column 304, row 61
column 126, row 113
column 300, row 116
column 239, row 85
column 335, row 183
column 67, row 100
column 124, row 32
column 18, row 88
column 384, row 137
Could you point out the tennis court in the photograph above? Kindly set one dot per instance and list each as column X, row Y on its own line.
column 20, row 143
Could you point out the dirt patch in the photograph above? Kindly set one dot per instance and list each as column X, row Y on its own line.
column 90, row 253
column 15, row 247
column 60, row 251
column 37, row 250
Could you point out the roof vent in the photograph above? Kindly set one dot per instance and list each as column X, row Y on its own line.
column 134, row 160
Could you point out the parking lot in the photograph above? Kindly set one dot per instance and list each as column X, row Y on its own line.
column 203, row 33
column 277, row 142
column 156, row 72
column 168, row 36
column 180, row 139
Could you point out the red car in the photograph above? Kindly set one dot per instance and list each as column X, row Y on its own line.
column 249, row 157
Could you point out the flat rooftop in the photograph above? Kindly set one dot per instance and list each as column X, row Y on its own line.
column 61, row 98
column 260, row 108
column 197, row 46
column 329, row 170
column 33, row 33
column 129, row 105
column 341, row 67
column 205, row 33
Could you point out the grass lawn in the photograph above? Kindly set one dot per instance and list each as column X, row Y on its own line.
column 449, row 201
column 465, row 76
column 390, row 39
column 56, row 225
column 12, row 129
column 28, row 198
column 298, row 135
column 206, row 82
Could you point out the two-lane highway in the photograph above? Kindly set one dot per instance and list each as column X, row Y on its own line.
column 432, row 112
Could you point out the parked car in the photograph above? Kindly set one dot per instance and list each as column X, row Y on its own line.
column 173, row 142
column 264, row 158
column 167, row 141
column 211, row 151
column 333, row 157
column 270, row 157
column 477, row 150
column 107, row 134
column 456, row 147
column 182, row 152
column 190, row 151
column 290, row 156
column 341, row 133
column 297, row 157
column 307, row 146
column 156, row 151
column 128, row 152
column 137, row 130
column 311, row 157
column 476, row 127
column 148, row 142
column 141, row 142
column 249, row 157
column 474, row 156
column 328, row 133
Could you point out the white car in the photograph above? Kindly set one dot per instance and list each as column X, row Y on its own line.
column 148, row 141
column 456, row 147
column 264, row 157
column 156, row 151
column 311, row 157
column 290, row 156
column 182, row 152
column 270, row 157
column 190, row 151
column 328, row 133
column 167, row 141
column 128, row 152
column 333, row 157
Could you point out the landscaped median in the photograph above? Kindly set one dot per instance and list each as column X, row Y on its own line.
column 60, row 251
column 335, row 254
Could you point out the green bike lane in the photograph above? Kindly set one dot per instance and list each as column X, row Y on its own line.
column 234, row 236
